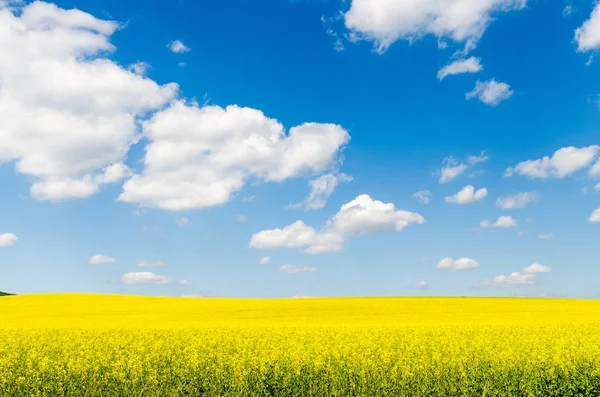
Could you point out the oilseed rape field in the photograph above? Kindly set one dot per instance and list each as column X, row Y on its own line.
column 110, row 345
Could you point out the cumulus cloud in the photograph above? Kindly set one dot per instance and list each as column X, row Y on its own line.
column 149, row 278
column 459, row 264
column 264, row 260
column 451, row 168
column 595, row 170
column 69, row 114
column 292, row 269
column 469, row 65
column 467, row 195
column 101, row 259
column 595, row 217
column 151, row 264
column 490, row 92
column 199, row 156
column 360, row 216
column 518, row 200
column 8, row 239
column 321, row 189
column 462, row 21
column 178, row 47
column 564, row 162
column 501, row 222
column 587, row 35
column 423, row 196
column 527, row 276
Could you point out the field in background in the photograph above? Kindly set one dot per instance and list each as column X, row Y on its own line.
column 93, row 345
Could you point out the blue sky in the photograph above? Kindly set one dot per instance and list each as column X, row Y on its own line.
column 164, row 148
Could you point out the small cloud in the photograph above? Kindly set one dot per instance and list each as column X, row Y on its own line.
column 459, row 264
column 544, row 236
column 178, row 47
column 451, row 168
column 101, row 259
column 597, row 187
column 421, row 285
column 181, row 64
column 8, row 239
column 568, row 10
column 589, row 61
column 292, row 269
column 490, row 92
column 249, row 198
column 321, row 189
column 467, row 195
column 595, row 217
column 501, row 222
column 527, row 276
column 518, row 200
column 148, row 278
column 470, row 65
column 521, row 233
column 139, row 68
column 264, row 260
column 183, row 221
column 242, row 218
column 423, row 196
column 150, row 264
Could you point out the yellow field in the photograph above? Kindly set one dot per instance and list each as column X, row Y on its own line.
column 87, row 345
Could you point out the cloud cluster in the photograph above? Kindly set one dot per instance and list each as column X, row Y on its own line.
column 459, row 264
column 527, row 276
column 321, row 189
column 451, row 168
column 361, row 216
column 467, row 195
column 564, row 162
column 69, row 114
column 501, row 222
column 199, row 156
column 518, row 200
column 490, row 92
column 149, row 278
column 462, row 21
column 101, row 259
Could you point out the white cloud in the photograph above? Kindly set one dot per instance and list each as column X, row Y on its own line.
column 421, row 285
column 360, row 216
column 568, row 10
column 595, row 170
column 423, row 196
column 564, row 162
column 149, row 278
column 544, row 236
column 150, row 264
column 595, row 217
column 459, row 264
column 101, row 259
column 291, row 269
column 467, row 195
column 178, row 47
column 321, row 189
column 587, row 35
column 139, row 68
column 386, row 21
column 199, row 156
column 264, row 260
column 490, row 92
column 527, row 276
column 470, row 65
column 8, row 239
column 518, row 200
column 501, row 222
column 68, row 113
column 451, row 168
